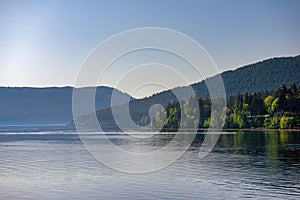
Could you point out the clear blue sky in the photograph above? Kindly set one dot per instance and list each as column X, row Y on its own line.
column 43, row 43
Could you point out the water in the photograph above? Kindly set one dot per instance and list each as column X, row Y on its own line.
column 55, row 165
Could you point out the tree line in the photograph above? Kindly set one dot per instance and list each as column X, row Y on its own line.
column 278, row 109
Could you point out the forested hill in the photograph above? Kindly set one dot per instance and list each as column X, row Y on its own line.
column 267, row 75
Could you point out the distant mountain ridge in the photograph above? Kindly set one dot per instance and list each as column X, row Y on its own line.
column 45, row 105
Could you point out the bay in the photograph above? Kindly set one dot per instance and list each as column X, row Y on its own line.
column 54, row 164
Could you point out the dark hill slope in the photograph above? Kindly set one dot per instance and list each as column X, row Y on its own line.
column 266, row 75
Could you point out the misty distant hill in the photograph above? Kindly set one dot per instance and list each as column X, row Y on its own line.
column 44, row 105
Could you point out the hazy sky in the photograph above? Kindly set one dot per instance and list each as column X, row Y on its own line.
column 43, row 43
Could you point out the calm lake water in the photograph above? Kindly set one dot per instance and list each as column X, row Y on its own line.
column 36, row 163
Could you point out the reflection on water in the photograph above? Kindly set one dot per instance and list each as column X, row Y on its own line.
column 55, row 165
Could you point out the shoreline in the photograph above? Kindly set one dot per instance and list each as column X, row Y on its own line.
column 231, row 129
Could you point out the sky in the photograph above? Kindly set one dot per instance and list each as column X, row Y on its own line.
column 44, row 43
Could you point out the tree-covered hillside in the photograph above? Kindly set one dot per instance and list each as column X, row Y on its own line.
column 280, row 109
column 268, row 75
column 262, row 76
